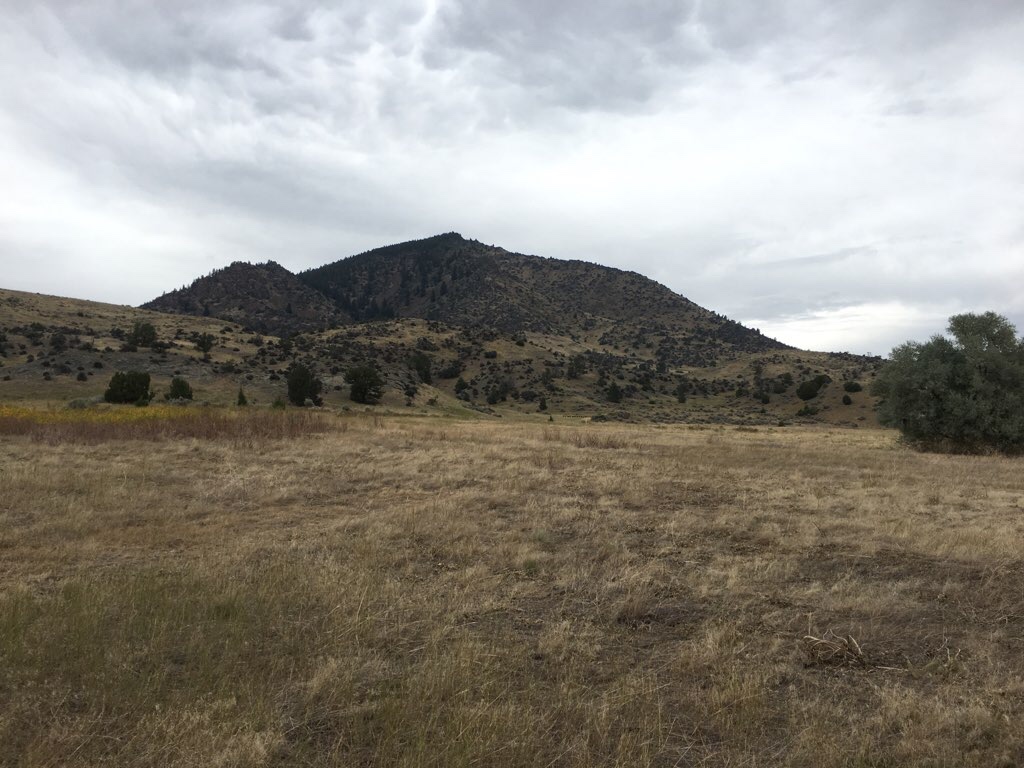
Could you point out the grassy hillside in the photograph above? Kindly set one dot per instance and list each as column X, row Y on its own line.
column 437, row 593
column 49, row 343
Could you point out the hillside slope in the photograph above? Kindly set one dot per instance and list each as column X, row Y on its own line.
column 265, row 297
column 468, row 284
column 56, row 349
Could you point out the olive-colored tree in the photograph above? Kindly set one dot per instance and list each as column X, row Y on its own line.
column 964, row 392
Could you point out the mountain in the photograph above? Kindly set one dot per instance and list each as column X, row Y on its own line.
column 265, row 297
column 464, row 283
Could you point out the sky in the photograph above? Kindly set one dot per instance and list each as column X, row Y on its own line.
column 843, row 176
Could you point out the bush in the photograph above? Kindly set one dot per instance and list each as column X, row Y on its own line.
column 420, row 363
column 852, row 386
column 58, row 342
column 180, row 390
column 204, row 343
column 613, row 393
column 808, row 390
column 964, row 393
column 128, row 387
column 303, row 385
column 366, row 385
column 142, row 335
column 450, row 370
column 847, row 400
column 242, row 399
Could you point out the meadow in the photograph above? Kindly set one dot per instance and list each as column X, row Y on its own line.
column 208, row 587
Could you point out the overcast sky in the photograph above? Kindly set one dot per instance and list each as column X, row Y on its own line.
column 841, row 175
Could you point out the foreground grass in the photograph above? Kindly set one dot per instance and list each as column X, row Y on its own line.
column 409, row 593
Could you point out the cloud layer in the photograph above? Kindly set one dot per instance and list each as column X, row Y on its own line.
column 842, row 176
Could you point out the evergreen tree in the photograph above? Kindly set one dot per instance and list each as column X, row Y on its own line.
column 204, row 343
column 303, row 385
column 128, row 387
column 180, row 390
column 142, row 334
column 366, row 385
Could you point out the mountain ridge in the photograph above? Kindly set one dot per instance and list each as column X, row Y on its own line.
column 264, row 296
column 465, row 283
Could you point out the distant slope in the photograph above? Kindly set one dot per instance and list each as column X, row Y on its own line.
column 265, row 297
column 466, row 283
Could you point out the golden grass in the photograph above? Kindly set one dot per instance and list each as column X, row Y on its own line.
column 160, row 422
column 452, row 594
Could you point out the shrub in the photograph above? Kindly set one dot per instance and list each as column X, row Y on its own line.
column 450, row 370
column 180, row 390
column 847, row 400
column 852, row 386
column 808, row 390
column 964, row 393
column 365, row 384
column 142, row 335
column 58, row 342
column 303, row 385
column 420, row 363
column 576, row 368
column 613, row 393
column 242, row 399
column 128, row 387
column 461, row 385
column 204, row 343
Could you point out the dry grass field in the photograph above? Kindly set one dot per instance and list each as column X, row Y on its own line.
column 405, row 592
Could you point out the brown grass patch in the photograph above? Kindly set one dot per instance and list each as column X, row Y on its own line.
column 106, row 424
column 458, row 594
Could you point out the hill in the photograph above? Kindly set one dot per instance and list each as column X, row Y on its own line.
column 265, row 297
column 467, row 284
column 57, row 349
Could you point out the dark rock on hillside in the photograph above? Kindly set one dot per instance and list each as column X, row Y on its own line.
column 265, row 297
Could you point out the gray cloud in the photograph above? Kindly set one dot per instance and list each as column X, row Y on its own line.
column 840, row 173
